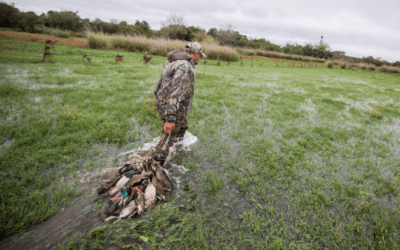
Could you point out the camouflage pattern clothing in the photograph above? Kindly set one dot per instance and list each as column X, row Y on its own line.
column 175, row 88
column 174, row 94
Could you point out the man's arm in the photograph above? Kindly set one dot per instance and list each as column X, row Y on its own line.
column 158, row 86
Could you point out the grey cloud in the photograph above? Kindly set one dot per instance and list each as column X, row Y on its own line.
column 359, row 28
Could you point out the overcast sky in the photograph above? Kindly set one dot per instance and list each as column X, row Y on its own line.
column 360, row 28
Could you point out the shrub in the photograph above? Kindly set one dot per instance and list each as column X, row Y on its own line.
column 336, row 63
column 251, row 53
column 38, row 30
column 363, row 67
column 329, row 65
column 119, row 42
column 97, row 41
column 79, row 34
column 54, row 32
column 386, row 69
column 343, row 65
column 372, row 68
column 395, row 70
column 63, row 34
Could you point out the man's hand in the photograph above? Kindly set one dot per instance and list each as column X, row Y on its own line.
column 169, row 127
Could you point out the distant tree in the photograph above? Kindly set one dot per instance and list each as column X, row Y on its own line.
column 97, row 24
column 9, row 16
column 69, row 20
column 52, row 18
column 396, row 64
column 28, row 20
column 297, row 49
column 308, row 49
column 174, row 27
column 114, row 26
column 372, row 60
column 123, row 23
column 143, row 25
column 226, row 36
column 322, row 50
column 174, row 19
column 287, row 48
column 212, row 32
column 338, row 54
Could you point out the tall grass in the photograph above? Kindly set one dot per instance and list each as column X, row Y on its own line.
column 278, row 55
column 158, row 46
column 98, row 40
column 40, row 38
column 329, row 65
column 393, row 70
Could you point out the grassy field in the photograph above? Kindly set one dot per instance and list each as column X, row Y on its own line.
column 287, row 158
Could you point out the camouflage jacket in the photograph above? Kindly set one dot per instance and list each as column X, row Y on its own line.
column 175, row 88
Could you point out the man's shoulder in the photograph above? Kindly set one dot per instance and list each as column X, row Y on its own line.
column 182, row 64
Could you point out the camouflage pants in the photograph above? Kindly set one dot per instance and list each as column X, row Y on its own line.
column 168, row 140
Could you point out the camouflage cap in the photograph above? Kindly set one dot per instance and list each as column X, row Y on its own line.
column 194, row 47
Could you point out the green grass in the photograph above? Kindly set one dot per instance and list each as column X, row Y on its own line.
column 287, row 158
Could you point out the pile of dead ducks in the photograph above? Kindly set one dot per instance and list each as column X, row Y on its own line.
column 134, row 188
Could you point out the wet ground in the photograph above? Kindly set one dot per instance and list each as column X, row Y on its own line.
column 74, row 220
column 85, row 213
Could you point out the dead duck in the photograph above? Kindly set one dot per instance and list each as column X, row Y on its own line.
column 141, row 199
column 120, row 184
column 163, row 178
column 150, row 196
column 113, row 206
column 126, row 167
column 132, row 195
column 126, row 212
column 146, row 58
column 134, row 180
column 160, row 189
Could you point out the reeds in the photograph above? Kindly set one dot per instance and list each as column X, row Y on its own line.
column 278, row 55
column 158, row 46
column 387, row 69
column 40, row 38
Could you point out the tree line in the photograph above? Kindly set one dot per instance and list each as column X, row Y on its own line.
column 174, row 27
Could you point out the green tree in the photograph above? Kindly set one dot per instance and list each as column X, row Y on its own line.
column 396, row 64
column 143, row 25
column 9, row 16
column 174, row 27
column 212, row 32
column 28, row 20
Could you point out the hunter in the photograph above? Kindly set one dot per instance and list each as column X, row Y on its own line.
column 174, row 95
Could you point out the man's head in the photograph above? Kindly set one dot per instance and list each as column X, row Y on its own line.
column 194, row 50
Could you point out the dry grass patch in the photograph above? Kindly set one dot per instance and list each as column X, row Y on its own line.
column 158, row 46
column 40, row 38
